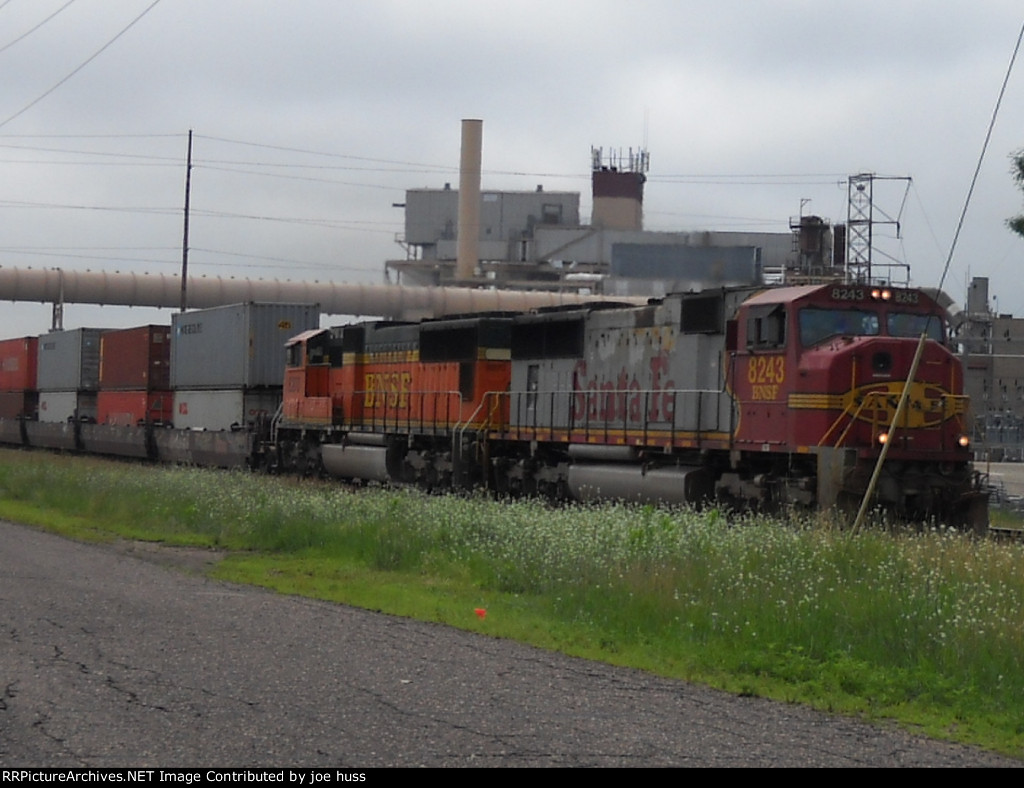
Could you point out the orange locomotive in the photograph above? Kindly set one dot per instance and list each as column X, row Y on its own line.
column 763, row 397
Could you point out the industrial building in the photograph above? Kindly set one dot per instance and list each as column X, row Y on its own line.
column 991, row 346
column 535, row 240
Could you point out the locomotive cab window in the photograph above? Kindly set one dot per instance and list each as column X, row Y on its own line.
column 817, row 325
column 766, row 328
column 903, row 324
column 294, row 355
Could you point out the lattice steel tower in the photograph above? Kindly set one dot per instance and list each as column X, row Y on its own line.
column 860, row 229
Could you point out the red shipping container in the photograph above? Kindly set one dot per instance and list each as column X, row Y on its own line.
column 129, row 408
column 136, row 359
column 19, row 359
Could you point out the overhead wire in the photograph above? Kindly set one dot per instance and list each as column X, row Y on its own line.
column 77, row 69
column 981, row 158
column 30, row 31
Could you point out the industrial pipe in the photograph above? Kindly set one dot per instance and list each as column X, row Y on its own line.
column 53, row 285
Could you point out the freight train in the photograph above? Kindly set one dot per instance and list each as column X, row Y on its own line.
column 768, row 398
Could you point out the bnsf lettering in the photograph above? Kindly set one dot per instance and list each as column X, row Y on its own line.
column 765, row 374
column 390, row 389
column 765, row 392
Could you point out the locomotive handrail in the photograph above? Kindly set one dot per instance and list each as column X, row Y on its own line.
column 869, row 397
column 275, row 422
column 584, row 421
column 461, row 427
column 459, row 431
column 385, row 413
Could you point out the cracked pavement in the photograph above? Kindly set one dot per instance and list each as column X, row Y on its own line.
column 109, row 659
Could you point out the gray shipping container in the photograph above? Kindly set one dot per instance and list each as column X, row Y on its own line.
column 206, row 409
column 70, row 360
column 57, row 406
column 237, row 346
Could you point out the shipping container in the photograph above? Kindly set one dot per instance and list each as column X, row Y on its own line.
column 55, row 406
column 131, row 408
column 241, row 346
column 69, row 360
column 18, row 404
column 223, row 409
column 136, row 359
column 18, row 364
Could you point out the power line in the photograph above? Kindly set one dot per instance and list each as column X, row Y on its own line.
column 981, row 158
column 34, row 29
column 88, row 60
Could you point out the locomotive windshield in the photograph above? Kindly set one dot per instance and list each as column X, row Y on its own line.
column 817, row 325
column 903, row 324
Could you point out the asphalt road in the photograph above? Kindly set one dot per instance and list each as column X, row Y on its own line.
column 111, row 658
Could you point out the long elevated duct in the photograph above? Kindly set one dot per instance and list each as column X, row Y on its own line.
column 158, row 290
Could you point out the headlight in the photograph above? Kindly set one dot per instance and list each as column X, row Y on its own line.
column 964, row 441
column 883, row 438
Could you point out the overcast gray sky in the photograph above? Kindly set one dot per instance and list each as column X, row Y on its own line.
column 312, row 117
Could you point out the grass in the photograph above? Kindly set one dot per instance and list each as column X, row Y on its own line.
column 923, row 627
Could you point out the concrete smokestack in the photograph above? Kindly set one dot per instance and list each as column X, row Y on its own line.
column 469, row 200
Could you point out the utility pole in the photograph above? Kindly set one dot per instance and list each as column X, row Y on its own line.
column 184, row 243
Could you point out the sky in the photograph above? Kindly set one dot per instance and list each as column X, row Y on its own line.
column 312, row 118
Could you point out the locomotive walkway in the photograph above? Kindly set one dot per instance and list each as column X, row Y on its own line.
column 110, row 658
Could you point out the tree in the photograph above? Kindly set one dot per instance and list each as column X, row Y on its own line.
column 1017, row 170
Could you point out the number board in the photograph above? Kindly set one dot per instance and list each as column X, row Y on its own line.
column 856, row 293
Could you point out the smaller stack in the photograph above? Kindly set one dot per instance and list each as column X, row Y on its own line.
column 227, row 363
column 135, row 377
column 69, row 375
column 19, row 398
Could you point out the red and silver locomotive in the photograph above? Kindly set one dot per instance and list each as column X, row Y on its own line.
column 764, row 397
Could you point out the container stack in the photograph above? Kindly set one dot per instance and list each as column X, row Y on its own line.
column 227, row 363
column 19, row 398
column 69, row 374
column 135, row 377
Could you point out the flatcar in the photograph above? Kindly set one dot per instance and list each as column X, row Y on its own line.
column 758, row 397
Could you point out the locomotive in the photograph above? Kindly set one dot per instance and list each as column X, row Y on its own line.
column 779, row 397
